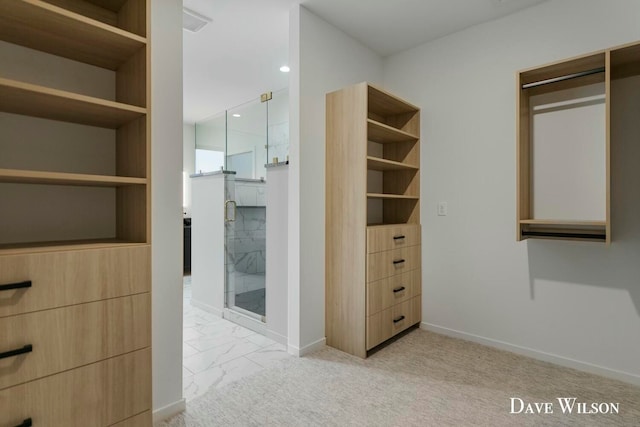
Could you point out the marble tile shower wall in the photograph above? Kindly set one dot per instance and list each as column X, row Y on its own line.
column 249, row 245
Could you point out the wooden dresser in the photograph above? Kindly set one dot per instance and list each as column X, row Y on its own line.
column 373, row 248
column 75, row 253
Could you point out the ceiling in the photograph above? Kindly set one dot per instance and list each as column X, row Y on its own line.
column 237, row 57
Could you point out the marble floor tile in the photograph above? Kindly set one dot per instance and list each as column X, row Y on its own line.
column 260, row 340
column 186, row 375
column 190, row 334
column 219, row 376
column 268, row 356
column 218, row 355
column 188, row 350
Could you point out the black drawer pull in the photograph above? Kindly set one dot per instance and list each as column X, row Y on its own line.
column 399, row 319
column 19, row 285
column 26, row 349
column 26, row 423
column 398, row 237
column 400, row 289
column 398, row 261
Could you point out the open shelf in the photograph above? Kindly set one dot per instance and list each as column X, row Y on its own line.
column 383, row 103
column 390, row 196
column 43, row 26
column 384, row 134
column 378, row 164
column 57, row 178
column 39, row 101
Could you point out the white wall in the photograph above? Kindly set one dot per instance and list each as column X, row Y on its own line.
column 188, row 160
column 166, row 172
column 323, row 59
column 573, row 303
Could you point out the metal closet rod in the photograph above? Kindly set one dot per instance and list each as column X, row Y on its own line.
column 562, row 78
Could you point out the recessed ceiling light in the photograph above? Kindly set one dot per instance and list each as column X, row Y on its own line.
column 285, row 69
column 236, row 115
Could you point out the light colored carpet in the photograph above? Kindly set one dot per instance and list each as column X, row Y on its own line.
column 422, row 379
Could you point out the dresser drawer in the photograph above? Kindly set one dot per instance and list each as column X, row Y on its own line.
column 389, row 291
column 73, row 277
column 389, row 263
column 68, row 337
column 142, row 420
column 389, row 322
column 95, row 395
column 387, row 237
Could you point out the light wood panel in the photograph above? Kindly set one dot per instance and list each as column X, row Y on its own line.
column 563, row 222
column 73, row 336
column 59, row 178
column 131, row 149
column 375, row 163
column 608, row 77
column 99, row 394
column 144, row 419
column 381, row 326
column 131, row 79
column 132, row 15
column 39, row 101
column 132, row 221
column 43, row 26
column 63, row 245
column 384, row 134
column 390, row 196
column 63, row 278
column 404, row 182
column 523, row 157
column 383, row 103
column 387, row 237
column 346, row 152
column 386, row 263
column 88, row 9
column 387, row 292
column 396, row 211
column 563, row 68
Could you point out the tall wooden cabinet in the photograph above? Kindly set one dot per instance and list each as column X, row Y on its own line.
column 373, row 280
column 75, row 254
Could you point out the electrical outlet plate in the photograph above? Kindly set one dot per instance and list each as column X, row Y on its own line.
column 442, row 209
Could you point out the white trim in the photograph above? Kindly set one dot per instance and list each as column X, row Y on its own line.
column 307, row 349
column 536, row 354
column 245, row 321
column 206, row 307
column 169, row 411
column 281, row 339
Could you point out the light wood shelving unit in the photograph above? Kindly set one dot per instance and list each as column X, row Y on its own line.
column 373, row 286
column 76, row 327
column 602, row 67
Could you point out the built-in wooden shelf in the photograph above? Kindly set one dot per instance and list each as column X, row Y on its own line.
column 57, row 178
column 64, row 245
column 39, row 101
column 383, row 103
column 384, row 134
column 43, row 26
column 390, row 196
column 378, row 164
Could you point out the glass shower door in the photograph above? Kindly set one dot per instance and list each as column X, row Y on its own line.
column 246, row 154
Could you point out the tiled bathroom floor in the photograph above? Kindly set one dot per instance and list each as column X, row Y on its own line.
column 217, row 352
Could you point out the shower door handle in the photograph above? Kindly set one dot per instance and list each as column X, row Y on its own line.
column 227, row 218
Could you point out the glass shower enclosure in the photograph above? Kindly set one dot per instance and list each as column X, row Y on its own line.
column 243, row 139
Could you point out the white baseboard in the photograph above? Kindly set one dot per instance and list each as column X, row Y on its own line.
column 169, row 411
column 280, row 339
column 536, row 354
column 206, row 307
column 307, row 349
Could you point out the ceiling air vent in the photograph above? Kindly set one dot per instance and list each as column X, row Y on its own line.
column 193, row 21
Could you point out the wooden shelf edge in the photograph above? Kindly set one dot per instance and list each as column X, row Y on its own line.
column 40, row 25
column 394, row 165
column 17, row 176
column 54, row 104
column 561, row 223
column 391, row 196
column 59, row 246
column 391, row 130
